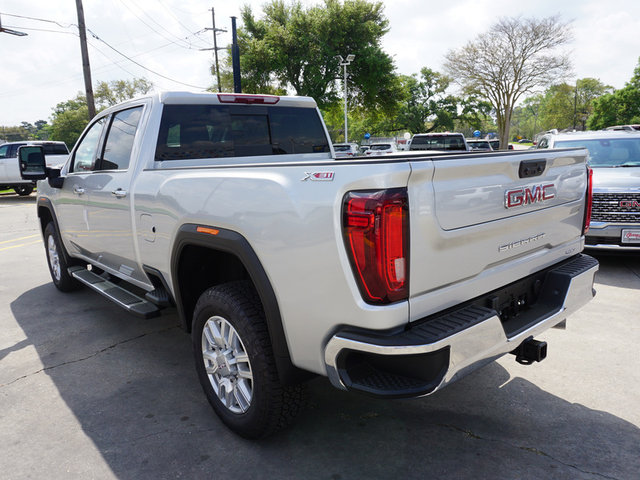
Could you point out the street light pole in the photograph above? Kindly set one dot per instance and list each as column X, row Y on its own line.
column 344, row 63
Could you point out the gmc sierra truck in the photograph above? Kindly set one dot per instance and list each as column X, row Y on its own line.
column 393, row 276
column 614, row 156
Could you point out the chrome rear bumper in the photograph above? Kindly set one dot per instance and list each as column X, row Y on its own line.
column 445, row 347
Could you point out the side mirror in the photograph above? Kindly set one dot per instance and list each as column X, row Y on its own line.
column 32, row 162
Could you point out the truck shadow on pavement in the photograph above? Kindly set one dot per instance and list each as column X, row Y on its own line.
column 14, row 199
column 131, row 386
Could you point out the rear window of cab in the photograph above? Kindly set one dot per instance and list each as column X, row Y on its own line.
column 215, row 131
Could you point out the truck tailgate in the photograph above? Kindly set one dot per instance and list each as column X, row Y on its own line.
column 476, row 218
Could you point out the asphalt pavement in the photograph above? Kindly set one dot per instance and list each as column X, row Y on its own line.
column 88, row 391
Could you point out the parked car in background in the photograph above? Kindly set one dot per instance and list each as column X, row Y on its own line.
column 525, row 140
column 376, row 149
column 614, row 156
column 628, row 128
column 479, row 145
column 495, row 144
column 443, row 142
column 345, row 150
column 363, row 149
column 56, row 153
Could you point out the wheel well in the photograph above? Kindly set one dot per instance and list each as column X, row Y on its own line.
column 201, row 268
column 44, row 214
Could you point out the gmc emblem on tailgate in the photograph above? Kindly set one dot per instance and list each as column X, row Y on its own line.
column 528, row 195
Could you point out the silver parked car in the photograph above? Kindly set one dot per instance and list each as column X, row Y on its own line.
column 614, row 156
column 377, row 149
column 345, row 150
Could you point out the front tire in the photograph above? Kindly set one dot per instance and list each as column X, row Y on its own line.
column 235, row 363
column 56, row 259
column 23, row 190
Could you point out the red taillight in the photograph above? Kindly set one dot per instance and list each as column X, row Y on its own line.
column 587, row 212
column 376, row 231
column 248, row 99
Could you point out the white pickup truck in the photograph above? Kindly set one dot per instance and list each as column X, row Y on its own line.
column 393, row 276
column 56, row 153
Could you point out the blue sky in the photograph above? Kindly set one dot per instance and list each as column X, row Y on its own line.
column 44, row 68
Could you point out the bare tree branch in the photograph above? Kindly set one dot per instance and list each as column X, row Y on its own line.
column 516, row 56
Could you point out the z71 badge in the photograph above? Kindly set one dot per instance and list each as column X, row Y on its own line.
column 318, row 176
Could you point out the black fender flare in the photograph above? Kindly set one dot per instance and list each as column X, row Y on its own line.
column 229, row 241
column 45, row 203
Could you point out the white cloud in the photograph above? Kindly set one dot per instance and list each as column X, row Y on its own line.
column 44, row 68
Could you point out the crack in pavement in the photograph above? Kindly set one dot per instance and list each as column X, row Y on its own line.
column 470, row 434
column 77, row 360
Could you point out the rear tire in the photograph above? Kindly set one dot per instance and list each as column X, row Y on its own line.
column 57, row 261
column 235, row 362
column 23, row 190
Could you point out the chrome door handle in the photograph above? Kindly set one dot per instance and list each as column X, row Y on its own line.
column 119, row 193
column 78, row 190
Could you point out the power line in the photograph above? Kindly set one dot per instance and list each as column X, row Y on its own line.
column 67, row 25
column 176, row 18
column 43, row 30
column 142, row 66
column 188, row 44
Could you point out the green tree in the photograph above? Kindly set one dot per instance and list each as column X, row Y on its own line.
column 515, row 57
column 587, row 91
column 526, row 120
column 426, row 106
column 110, row 93
column 13, row 133
column 69, row 118
column 618, row 108
column 297, row 48
column 557, row 107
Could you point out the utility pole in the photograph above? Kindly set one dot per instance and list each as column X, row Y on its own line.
column 345, row 63
column 235, row 58
column 86, row 68
column 215, row 46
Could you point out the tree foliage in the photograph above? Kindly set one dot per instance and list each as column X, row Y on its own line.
column 111, row 93
column 423, row 104
column 39, row 130
column 516, row 56
column 69, row 118
column 620, row 107
column 427, row 106
column 561, row 106
column 297, row 48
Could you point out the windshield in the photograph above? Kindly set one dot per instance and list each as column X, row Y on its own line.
column 438, row 142
column 55, row 149
column 610, row 152
column 479, row 145
column 382, row 146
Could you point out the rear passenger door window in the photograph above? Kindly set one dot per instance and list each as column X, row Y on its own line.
column 119, row 143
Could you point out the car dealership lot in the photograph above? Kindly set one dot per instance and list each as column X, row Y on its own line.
column 88, row 391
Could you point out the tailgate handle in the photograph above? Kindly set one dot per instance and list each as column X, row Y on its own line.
column 532, row 168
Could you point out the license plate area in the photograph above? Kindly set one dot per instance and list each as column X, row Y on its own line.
column 630, row 236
